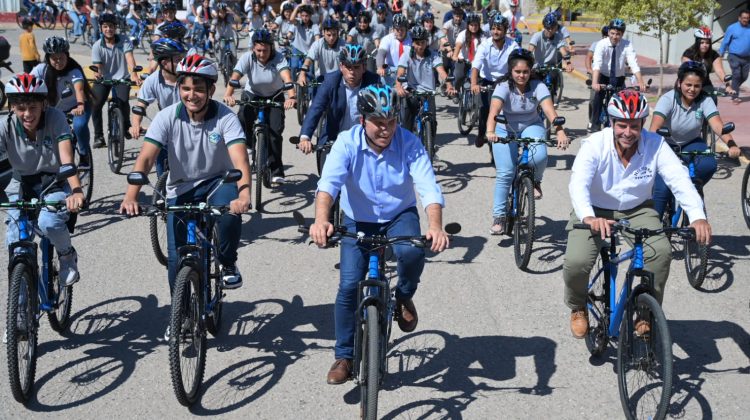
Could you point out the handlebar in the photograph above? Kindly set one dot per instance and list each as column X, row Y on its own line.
column 340, row 232
column 624, row 226
column 34, row 204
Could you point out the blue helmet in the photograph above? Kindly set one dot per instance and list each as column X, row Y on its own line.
column 175, row 30
column 167, row 48
column 499, row 20
column 381, row 8
column 377, row 101
column 352, row 54
column 263, row 36
column 618, row 24
column 330, row 23
column 428, row 16
column 549, row 21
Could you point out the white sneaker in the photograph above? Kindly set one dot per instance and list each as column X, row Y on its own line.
column 278, row 180
column 69, row 268
column 231, row 277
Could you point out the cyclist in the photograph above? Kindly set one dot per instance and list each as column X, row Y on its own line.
column 388, row 208
column 283, row 23
column 383, row 19
column 519, row 96
column 204, row 139
column 97, row 8
column 337, row 98
column 454, row 26
column 590, row 53
column 515, row 17
column 418, row 67
column 302, row 36
column 352, row 10
column 37, row 140
column 490, row 64
column 113, row 56
column 267, row 71
column 612, row 71
column 366, row 36
column 436, row 37
column 684, row 110
column 202, row 27
column 324, row 53
column 222, row 25
column 169, row 16
column 160, row 87
column 319, row 11
column 702, row 52
column 457, row 8
column 60, row 71
column 546, row 45
column 79, row 15
column 465, row 50
column 136, row 19
column 412, row 11
column 612, row 179
column 391, row 48
column 257, row 16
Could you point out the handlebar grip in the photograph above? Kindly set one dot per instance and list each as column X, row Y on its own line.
column 581, row 226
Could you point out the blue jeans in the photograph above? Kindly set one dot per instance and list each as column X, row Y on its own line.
column 506, row 160
column 51, row 223
column 229, row 226
column 136, row 27
column 353, row 268
column 95, row 30
column 705, row 167
column 81, row 130
column 161, row 161
column 296, row 60
column 79, row 22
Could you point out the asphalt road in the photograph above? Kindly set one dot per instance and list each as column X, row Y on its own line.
column 492, row 342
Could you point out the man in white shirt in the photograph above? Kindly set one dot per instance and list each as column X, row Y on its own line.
column 613, row 177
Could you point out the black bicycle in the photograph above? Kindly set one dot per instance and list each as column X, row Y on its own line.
column 223, row 51
column 322, row 151
column 609, row 90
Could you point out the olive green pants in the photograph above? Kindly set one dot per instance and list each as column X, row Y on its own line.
column 583, row 248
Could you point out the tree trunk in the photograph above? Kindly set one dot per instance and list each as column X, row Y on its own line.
column 661, row 63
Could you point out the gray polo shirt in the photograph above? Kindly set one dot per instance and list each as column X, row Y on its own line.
column 386, row 25
column 198, row 151
column 33, row 156
column 326, row 58
column 155, row 88
column 436, row 40
column 366, row 40
column 303, row 36
column 545, row 49
column 111, row 61
column 419, row 74
column 521, row 110
column 72, row 77
column 684, row 123
column 262, row 79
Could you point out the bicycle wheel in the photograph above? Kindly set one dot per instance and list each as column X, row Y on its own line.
column 68, row 31
column 86, row 175
column 157, row 224
column 3, row 98
column 20, row 16
column 61, row 295
column 696, row 258
column 187, row 343
column 47, row 20
column 523, row 228
column 745, row 198
column 464, row 112
column 644, row 362
column 213, row 324
column 429, row 139
column 370, row 381
column 301, row 103
column 560, row 86
column 597, row 299
column 116, row 143
column 21, row 331
column 64, row 18
column 260, row 168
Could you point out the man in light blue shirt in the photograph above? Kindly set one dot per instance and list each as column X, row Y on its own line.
column 737, row 43
column 376, row 166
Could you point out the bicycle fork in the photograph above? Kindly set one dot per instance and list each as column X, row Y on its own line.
column 370, row 292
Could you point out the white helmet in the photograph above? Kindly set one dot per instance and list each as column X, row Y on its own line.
column 25, row 84
column 198, row 65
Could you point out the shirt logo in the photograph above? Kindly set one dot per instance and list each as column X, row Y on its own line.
column 644, row 172
column 47, row 142
column 214, row 138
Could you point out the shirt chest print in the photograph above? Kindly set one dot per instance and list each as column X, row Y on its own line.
column 644, row 172
column 214, row 138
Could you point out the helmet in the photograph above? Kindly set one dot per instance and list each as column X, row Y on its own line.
column 491, row 14
column 618, row 24
column 513, row 3
column 330, row 23
column 499, row 20
column 167, row 48
column 170, row 5
column 457, row 4
column 377, row 101
column 197, row 65
column 221, row 6
column 691, row 66
column 352, row 54
column 365, row 15
column 400, row 21
column 262, row 36
column 174, row 30
column 627, row 104
column 381, row 8
column 703, row 33
column 25, row 84
column 287, row 6
column 55, row 45
column 558, row 14
column 523, row 54
column 428, row 17
column 419, row 33
column 605, row 30
column 473, row 18
column 549, row 21
column 107, row 18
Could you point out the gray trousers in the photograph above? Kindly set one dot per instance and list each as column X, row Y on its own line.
column 583, row 248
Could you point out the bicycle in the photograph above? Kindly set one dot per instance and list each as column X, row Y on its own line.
column 260, row 138
column 85, row 173
column 469, row 105
column 707, row 134
column 33, row 292
column 86, row 37
column 647, row 356
column 227, row 60
column 198, row 290
column 305, row 97
column 521, row 207
column 552, row 75
column 375, row 310
column 116, row 121
column 43, row 17
column 609, row 90
column 424, row 121
column 322, row 151
column 695, row 255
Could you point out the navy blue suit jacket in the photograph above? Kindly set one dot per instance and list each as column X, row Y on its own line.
column 331, row 99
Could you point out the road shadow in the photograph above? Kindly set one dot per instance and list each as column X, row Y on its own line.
column 726, row 167
column 297, row 193
column 549, row 246
column 472, row 244
column 455, row 177
column 722, row 256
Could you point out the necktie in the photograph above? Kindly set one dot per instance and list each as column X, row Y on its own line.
column 513, row 23
column 400, row 48
column 471, row 48
column 613, row 66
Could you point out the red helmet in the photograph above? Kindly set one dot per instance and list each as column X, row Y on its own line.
column 627, row 104
column 25, row 84
column 198, row 65
column 703, row 33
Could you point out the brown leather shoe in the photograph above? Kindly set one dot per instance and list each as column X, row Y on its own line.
column 406, row 315
column 340, row 372
column 579, row 323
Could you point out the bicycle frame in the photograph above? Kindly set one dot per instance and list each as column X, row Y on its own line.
column 698, row 185
column 523, row 169
column 195, row 253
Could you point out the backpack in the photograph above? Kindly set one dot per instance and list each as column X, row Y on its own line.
column 4, row 49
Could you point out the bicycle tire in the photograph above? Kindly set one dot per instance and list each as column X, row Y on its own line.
column 3, row 98
column 597, row 300
column 642, row 362
column 116, row 141
column 213, row 325
column 68, row 31
column 523, row 229
column 47, row 20
column 369, row 385
column 157, row 224
column 21, row 353
column 696, row 258
column 64, row 18
column 745, row 197
column 86, row 176
column 560, row 86
column 61, row 295
column 260, row 168
column 187, row 303
column 429, row 139
column 464, row 112
column 302, row 102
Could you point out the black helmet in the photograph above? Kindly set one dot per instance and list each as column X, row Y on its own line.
column 499, row 20
column 549, row 21
column 691, row 66
column 287, row 6
column 521, row 54
column 473, row 18
column 400, row 21
column 167, row 48
column 170, row 5
column 457, row 4
column 262, row 36
column 174, row 30
column 330, row 23
column 419, row 33
column 221, row 6
column 107, row 18
column 56, row 45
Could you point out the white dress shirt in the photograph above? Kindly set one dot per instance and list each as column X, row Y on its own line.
column 603, row 56
column 599, row 178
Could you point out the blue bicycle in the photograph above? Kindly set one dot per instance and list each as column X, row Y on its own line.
column 635, row 318
column 424, row 121
column 31, row 292
column 609, row 90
